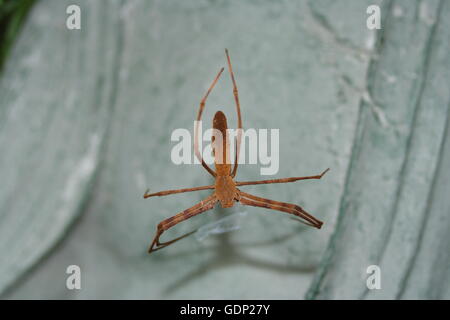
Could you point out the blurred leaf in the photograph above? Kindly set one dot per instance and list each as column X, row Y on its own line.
column 12, row 16
column 395, row 209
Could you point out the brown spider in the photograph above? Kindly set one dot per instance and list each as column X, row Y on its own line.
column 226, row 191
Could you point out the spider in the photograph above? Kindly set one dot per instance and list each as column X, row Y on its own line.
column 225, row 188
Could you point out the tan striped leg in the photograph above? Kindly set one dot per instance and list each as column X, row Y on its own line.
column 251, row 200
column 200, row 207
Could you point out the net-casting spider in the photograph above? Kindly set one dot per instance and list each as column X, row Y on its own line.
column 226, row 191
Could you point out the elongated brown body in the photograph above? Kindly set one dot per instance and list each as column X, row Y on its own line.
column 225, row 186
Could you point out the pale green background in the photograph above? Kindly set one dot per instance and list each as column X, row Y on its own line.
column 85, row 124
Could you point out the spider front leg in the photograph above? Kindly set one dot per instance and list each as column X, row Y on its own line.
column 251, row 200
column 200, row 207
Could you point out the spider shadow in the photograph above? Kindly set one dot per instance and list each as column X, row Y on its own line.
column 227, row 253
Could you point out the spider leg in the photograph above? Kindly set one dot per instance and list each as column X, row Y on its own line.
column 251, row 200
column 168, row 192
column 238, row 110
column 199, row 117
column 284, row 180
column 164, row 225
